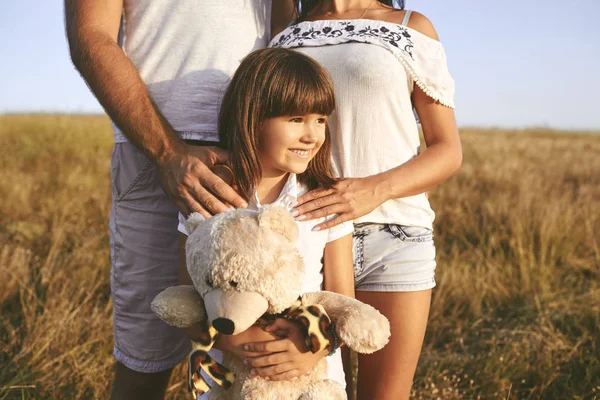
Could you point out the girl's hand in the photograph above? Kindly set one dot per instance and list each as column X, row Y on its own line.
column 283, row 359
column 234, row 344
column 349, row 198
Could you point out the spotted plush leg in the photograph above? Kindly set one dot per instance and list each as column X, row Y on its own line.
column 199, row 360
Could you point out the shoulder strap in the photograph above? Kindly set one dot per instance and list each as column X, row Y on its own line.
column 406, row 17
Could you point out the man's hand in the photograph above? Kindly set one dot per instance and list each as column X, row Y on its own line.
column 187, row 179
column 283, row 359
column 185, row 171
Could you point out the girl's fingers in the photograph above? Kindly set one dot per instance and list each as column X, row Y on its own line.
column 280, row 324
column 272, row 346
column 273, row 370
column 243, row 354
column 267, row 360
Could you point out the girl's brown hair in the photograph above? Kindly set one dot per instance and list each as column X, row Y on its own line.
column 272, row 83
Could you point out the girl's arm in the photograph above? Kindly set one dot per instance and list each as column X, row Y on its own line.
column 289, row 357
column 338, row 272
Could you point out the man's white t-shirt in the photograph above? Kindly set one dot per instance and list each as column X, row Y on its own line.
column 186, row 51
column 311, row 246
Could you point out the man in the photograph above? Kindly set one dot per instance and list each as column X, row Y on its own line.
column 160, row 75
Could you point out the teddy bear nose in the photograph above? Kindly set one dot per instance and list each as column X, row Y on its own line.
column 224, row 325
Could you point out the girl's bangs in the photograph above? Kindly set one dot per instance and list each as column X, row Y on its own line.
column 299, row 87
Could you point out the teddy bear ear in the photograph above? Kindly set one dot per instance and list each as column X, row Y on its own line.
column 279, row 220
column 193, row 221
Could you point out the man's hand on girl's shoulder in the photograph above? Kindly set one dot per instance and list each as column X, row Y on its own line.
column 186, row 176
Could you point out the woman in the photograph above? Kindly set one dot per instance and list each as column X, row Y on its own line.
column 384, row 62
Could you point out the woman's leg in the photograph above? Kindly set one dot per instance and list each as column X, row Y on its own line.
column 388, row 373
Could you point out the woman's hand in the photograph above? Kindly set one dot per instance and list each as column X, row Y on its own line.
column 283, row 359
column 349, row 198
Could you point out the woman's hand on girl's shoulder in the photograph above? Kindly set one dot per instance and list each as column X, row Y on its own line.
column 284, row 359
column 349, row 198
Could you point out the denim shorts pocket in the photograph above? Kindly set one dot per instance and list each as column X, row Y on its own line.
column 411, row 233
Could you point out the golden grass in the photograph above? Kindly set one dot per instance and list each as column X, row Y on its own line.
column 516, row 313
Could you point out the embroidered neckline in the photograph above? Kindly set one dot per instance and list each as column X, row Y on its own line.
column 395, row 37
column 394, row 25
column 296, row 35
column 365, row 20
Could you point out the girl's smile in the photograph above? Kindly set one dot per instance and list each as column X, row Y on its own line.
column 288, row 143
column 302, row 153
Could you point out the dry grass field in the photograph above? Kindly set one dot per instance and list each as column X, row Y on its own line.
column 516, row 313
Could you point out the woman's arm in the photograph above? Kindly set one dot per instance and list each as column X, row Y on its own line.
column 354, row 197
column 443, row 155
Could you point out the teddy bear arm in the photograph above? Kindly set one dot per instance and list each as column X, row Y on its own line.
column 334, row 303
column 358, row 325
column 179, row 306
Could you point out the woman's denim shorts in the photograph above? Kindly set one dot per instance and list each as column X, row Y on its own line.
column 393, row 258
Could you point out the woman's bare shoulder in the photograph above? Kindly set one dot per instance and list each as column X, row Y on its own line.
column 417, row 21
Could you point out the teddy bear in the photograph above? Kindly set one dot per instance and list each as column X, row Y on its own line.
column 244, row 264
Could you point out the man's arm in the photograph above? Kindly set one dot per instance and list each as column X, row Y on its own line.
column 92, row 28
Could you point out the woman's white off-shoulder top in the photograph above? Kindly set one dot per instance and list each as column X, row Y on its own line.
column 374, row 66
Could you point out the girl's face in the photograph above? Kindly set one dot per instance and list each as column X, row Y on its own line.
column 288, row 143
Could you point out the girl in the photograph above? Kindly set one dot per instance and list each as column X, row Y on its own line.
column 384, row 63
column 273, row 120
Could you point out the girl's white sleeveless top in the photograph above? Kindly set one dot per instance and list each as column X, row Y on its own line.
column 374, row 66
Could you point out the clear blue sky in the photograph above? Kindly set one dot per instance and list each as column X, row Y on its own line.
column 521, row 63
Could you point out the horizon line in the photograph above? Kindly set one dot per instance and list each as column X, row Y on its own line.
column 460, row 126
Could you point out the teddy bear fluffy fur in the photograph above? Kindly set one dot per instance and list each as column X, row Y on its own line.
column 244, row 263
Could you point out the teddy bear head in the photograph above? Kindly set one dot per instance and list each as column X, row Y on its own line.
column 244, row 263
